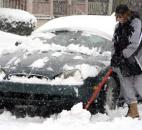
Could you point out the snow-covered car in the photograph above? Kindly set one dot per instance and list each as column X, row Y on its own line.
column 58, row 66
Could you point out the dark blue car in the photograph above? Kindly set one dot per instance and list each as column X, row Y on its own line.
column 58, row 68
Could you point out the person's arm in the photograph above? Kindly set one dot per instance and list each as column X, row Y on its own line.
column 134, row 39
column 112, row 47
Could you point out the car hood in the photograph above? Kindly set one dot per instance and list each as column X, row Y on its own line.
column 51, row 63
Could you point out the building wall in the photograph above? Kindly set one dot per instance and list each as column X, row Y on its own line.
column 60, row 7
column 17, row 4
column 46, row 9
column 41, row 8
column 69, row 7
column 1, row 3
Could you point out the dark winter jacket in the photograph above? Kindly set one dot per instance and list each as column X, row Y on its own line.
column 126, row 41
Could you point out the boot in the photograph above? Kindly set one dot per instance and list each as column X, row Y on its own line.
column 133, row 111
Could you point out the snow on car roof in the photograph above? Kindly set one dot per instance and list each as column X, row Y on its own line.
column 102, row 25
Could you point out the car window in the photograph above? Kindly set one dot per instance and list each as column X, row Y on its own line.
column 86, row 39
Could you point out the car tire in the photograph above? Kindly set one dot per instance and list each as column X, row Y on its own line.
column 108, row 97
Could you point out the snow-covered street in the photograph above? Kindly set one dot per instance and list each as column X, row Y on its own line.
column 76, row 119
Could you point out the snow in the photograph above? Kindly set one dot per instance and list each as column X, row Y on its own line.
column 17, row 15
column 32, row 43
column 56, row 54
column 78, row 57
column 87, row 70
column 87, row 22
column 82, row 72
column 77, row 118
column 7, row 41
column 39, row 63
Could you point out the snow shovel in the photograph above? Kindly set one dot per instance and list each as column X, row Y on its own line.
column 98, row 88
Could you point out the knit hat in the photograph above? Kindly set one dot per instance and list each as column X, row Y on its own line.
column 121, row 9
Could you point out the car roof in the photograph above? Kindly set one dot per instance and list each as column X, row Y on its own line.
column 98, row 24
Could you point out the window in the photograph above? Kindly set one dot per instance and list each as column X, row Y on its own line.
column 65, row 38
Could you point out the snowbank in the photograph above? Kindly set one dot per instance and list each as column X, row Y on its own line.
column 76, row 119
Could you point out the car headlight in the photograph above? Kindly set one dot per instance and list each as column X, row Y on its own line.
column 2, row 73
column 76, row 73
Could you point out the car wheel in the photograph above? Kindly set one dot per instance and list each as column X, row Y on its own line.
column 108, row 96
column 112, row 92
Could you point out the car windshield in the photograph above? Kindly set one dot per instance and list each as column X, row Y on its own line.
column 80, row 38
column 51, row 54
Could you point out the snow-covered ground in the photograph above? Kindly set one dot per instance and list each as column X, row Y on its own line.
column 77, row 118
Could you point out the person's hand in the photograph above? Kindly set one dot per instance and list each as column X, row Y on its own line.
column 115, row 61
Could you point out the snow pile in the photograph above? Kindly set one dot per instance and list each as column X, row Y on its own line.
column 86, row 70
column 76, row 119
column 17, row 21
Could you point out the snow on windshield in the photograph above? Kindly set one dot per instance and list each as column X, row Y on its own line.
column 33, row 43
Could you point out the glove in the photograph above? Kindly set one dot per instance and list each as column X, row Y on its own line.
column 116, row 61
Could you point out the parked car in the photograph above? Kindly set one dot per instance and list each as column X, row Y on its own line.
column 58, row 66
